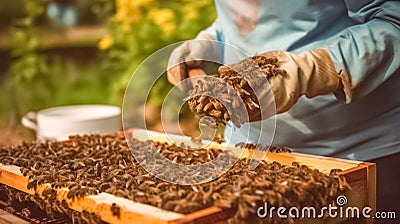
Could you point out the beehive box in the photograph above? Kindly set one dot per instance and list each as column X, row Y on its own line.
column 360, row 176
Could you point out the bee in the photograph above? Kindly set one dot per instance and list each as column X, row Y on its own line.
column 63, row 205
column 178, row 205
column 282, row 149
column 304, row 168
column 70, row 184
column 57, row 207
column 196, row 140
column 335, row 172
column 240, row 145
column 116, row 172
column 120, row 193
column 208, row 106
column 272, row 149
column 57, row 184
column 21, row 162
column 334, row 189
column 251, row 104
column 129, row 183
column 252, row 146
column 276, row 165
column 75, row 216
column 37, row 165
column 80, row 193
column 218, row 139
column 72, row 193
column 85, row 216
column 343, row 182
column 32, row 185
column 98, row 169
column 95, row 218
column 84, row 182
column 115, row 210
column 26, row 212
column 10, row 209
column 50, row 211
column 71, row 176
column 20, row 196
column 42, row 179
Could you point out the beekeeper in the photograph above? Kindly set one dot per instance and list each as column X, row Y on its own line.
column 341, row 97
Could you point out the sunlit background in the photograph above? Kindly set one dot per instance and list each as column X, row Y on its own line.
column 65, row 52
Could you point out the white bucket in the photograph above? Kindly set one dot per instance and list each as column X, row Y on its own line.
column 60, row 122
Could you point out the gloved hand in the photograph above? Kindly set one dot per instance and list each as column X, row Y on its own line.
column 310, row 73
column 193, row 54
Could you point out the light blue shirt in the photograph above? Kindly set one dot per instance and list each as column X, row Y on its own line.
column 362, row 38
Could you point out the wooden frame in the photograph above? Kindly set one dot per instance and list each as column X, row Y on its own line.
column 360, row 175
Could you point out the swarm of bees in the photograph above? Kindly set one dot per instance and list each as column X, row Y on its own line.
column 91, row 164
column 261, row 147
column 43, row 210
column 231, row 95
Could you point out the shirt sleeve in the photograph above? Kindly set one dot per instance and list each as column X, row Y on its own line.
column 367, row 54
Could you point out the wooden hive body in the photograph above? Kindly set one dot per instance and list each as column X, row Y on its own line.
column 360, row 176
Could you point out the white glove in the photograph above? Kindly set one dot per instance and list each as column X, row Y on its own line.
column 310, row 73
column 192, row 54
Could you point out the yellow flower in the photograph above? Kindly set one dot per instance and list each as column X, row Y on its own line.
column 130, row 11
column 126, row 26
column 191, row 12
column 145, row 3
column 121, row 3
column 134, row 4
column 164, row 18
column 105, row 43
column 120, row 15
column 201, row 3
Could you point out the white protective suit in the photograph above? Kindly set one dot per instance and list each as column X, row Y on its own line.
column 363, row 40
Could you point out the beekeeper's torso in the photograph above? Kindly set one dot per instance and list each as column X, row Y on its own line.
column 367, row 128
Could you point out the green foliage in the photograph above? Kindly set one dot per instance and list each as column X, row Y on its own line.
column 8, row 10
column 29, row 79
column 103, row 8
column 37, row 80
column 34, row 8
column 138, row 30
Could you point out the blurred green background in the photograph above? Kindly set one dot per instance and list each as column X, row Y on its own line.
column 62, row 52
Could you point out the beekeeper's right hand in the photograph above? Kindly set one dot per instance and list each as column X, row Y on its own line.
column 192, row 55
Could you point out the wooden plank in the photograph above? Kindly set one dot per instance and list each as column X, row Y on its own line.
column 371, row 182
column 12, row 176
column 7, row 218
column 79, row 36
column 362, row 179
column 130, row 211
